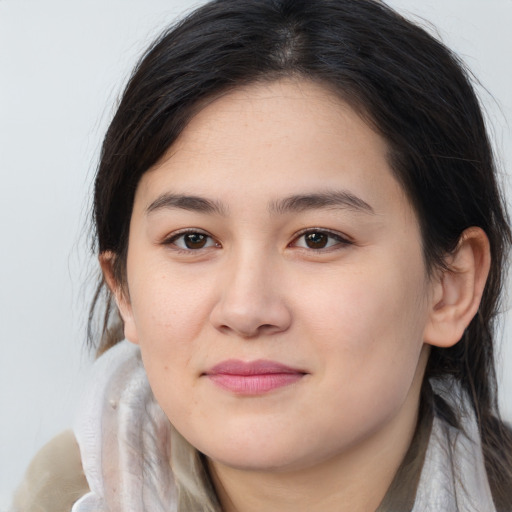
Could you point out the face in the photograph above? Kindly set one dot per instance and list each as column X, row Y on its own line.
column 276, row 283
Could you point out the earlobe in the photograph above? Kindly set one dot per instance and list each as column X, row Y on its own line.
column 458, row 290
column 120, row 295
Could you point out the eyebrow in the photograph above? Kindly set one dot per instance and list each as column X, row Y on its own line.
column 186, row 202
column 341, row 199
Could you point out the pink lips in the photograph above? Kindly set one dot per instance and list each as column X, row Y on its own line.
column 252, row 378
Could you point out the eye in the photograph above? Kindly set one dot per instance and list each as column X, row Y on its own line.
column 318, row 239
column 192, row 240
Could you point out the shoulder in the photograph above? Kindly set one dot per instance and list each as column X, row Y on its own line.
column 54, row 479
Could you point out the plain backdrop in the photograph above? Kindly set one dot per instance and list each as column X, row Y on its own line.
column 62, row 66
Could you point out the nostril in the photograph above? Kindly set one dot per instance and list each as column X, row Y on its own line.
column 268, row 328
column 248, row 333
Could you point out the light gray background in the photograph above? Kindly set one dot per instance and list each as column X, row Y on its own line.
column 62, row 65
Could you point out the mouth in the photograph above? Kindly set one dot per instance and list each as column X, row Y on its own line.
column 254, row 377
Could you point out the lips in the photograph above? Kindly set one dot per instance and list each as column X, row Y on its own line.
column 253, row 378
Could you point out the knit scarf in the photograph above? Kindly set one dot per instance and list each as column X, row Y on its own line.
column 124, row 443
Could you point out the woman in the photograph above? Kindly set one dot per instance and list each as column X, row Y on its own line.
column 298, row 220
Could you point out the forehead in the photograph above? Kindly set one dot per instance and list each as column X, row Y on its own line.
column 273, row 138
column 265, row 115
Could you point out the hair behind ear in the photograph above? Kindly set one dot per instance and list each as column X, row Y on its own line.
column 104, row 320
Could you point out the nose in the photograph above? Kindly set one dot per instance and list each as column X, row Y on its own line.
column 251, row 300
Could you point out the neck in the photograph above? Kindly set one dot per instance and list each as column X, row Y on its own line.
column 355, row 480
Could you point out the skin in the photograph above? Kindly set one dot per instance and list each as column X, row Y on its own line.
column 356, row 316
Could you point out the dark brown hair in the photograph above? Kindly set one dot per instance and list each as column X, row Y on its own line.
column 404, row 82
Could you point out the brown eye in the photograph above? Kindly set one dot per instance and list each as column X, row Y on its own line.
column 316, row 240
column 195, row 240
column 192, row 240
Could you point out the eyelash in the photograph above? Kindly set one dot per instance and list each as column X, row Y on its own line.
column 337, row 237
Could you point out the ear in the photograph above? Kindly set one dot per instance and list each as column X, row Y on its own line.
column 458, row 290
column 120, row 294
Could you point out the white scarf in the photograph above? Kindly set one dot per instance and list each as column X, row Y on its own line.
column 124, row 439
column 124, row 442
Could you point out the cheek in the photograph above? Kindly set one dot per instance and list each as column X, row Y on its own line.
column 368, row 325
column 363, row 307
column 169, row 318
column 168, row 305
column 367, row 358
column 169, row 315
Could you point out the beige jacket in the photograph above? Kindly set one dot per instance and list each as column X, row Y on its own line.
column 55, row 478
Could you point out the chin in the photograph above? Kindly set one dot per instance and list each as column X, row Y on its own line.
column 275, row 457
column 267, row 463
